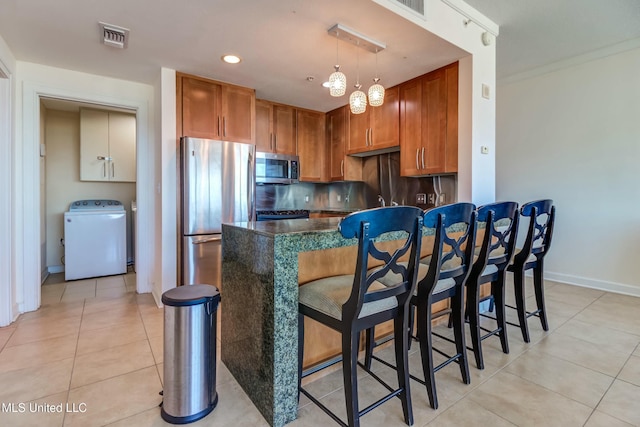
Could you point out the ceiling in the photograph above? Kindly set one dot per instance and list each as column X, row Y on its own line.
column 282, row 42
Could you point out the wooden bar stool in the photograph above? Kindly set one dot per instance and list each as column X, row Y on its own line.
column 490, row 266
column 350, row 304
column 541, row 214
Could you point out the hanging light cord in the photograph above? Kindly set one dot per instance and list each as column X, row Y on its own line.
column 357, row 62
column 337, row 58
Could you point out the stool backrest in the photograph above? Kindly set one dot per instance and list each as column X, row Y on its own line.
column 541, row 214
column 500, row 233
column 455, row 226
column 366, row 226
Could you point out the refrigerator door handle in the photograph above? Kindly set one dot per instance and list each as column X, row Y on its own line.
column 252, row 186
column 208, row 240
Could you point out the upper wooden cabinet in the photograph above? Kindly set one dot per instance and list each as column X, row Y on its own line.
column 311, row 145
column 275, row 127
column 341, row 166
column 377, row 129
column 107, row 146
column 214, row 110
column 429, row 123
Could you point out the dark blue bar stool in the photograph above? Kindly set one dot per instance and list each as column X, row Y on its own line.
column 441, row 276
column 541, row 214
column 490, row 266
column 350, row 304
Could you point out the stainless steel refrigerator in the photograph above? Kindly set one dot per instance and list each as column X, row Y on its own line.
column 217, row 179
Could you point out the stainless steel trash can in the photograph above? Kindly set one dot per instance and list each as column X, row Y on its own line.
column 189, row 391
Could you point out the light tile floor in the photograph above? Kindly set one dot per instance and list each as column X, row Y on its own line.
column 95, row 347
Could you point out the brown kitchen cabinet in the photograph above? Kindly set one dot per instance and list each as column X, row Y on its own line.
column 429, row 123
column 311, row 145
column 341, row 166
column 275, row 128
column 214, row 110
column 377, row 129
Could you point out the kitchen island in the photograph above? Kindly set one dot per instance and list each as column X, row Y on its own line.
column 262, row 264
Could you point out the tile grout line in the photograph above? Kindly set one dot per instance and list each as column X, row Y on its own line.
column 75, row 355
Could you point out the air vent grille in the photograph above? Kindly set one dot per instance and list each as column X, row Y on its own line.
column 114, row 36
column 415, row 5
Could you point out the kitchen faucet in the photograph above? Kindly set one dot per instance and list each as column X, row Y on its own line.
column 381, row 201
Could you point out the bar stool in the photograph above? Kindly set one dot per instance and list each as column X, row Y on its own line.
column 350, row 304
column 448, row 270
column 541, row 214
column 441, row 275
column 490, row 266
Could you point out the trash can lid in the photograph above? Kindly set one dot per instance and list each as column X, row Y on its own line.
column 190, row 295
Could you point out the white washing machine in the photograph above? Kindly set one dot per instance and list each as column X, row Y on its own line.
column 95, row 239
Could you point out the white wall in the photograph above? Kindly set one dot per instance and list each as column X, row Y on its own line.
column 573, row 135
column 8, row 305
column 167, row 157
column 35, row 81
column 476, row 121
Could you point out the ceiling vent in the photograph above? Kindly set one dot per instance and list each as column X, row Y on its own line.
column 114, row 36
column 415, row 5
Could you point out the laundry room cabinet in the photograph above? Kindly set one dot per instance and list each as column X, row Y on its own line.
column 107, row 146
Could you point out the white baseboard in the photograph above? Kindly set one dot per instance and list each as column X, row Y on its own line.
column 55, row 269
column 603, row 285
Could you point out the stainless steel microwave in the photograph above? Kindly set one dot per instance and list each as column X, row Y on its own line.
column 274, row 168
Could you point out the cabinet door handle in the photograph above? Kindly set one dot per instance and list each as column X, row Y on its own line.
column 417, row 158
column 341, row 167
column 224, row 126
column 104, row 170
column 366, row 137
column 371, row 137
column 113, row 169
column 218, row 126
column 422, row 157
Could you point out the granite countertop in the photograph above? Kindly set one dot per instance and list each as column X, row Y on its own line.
column 336, row 210
column 290, row 226
column 318, row 227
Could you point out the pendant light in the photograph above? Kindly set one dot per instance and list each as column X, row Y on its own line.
column 376, row 90
column 358, row 99
column 337, row 79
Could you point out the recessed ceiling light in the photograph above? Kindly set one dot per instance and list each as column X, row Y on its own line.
column 231, row 59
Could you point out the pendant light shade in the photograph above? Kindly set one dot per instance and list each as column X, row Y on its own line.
column 358, row 101
column 337, row 82
column 376, row 93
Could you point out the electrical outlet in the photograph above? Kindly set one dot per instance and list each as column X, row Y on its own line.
column 346, row 198
column 431, row 199
column 339, row 197
column 306, row 199
column 421, row 199
column 442, row 199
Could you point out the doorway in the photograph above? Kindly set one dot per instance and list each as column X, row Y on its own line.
column 43, row 82
column 64, row 180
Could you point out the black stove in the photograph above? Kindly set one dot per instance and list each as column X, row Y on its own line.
column 281, row 214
